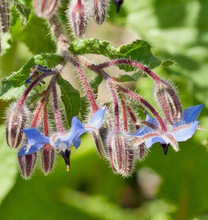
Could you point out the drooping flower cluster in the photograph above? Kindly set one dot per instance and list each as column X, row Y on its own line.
column 119, row 135
column 120, row 138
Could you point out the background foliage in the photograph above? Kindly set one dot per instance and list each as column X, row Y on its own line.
column 162, row 187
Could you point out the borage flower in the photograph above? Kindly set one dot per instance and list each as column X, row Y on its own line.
column 181, row 130
column 62, row 142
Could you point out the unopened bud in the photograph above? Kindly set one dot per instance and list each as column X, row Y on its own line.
column 47, row 158
column 4, row 15
column 27, row 164
column 78, row 13
column 100, row 139
column 44, row 8
column 121, row 155
column 141, row 151
column 168, row 101
column 99, row 10
column 16, row 119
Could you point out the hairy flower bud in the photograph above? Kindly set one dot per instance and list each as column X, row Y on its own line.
column 141, row 151
column 44, row 8
column 168, row 101
column 121, row 155
column 27, row 164
column 78, row 12
column 100, row 139
column 99, row 10
column 16, row 119
column 4, row 15
column 47, row 158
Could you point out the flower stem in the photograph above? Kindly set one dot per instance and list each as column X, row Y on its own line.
column 55, row 71
column 84, row 81
column 57, row 115
column 42, row 102
column 133, row 117
column 146, row 104
column 58, row 32
column 154, row 76
column 97, row 69
column 45, row 120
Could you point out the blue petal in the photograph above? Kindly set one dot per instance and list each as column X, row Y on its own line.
column 151, row 120
column 142, row 131
column 98, row 117
column 76, row 130
column 76, row 142
column 190, row 114
column 150, row 141
column 34, row 136
column 186, row 133
column 31, row 150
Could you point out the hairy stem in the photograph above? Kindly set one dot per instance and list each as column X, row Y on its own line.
column 57, row 114
column 154, row 76
column 85, row 83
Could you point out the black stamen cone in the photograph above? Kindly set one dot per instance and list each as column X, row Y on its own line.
column 66, row 156
column 118, row 4
column 165, row 148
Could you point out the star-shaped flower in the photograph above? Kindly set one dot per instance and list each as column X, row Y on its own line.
column 180, row 131
column 36, row 140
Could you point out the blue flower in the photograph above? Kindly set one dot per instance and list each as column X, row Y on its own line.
column 36, row 140
column 180, row 131
column 77, row 129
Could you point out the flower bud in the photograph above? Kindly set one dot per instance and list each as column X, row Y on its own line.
column 47, row 158
column 27, row 164
column 44, row 8
column 16, row 119
column 121, row 155
column 100, row 139
column 4, row 15
column 141, row 151
column 168, row 101
column 78, row 12
column 99, row 11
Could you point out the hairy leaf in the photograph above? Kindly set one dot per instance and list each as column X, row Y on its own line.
column 138, row 50
column 70, row 97
column 14, row 85
column 23, row 11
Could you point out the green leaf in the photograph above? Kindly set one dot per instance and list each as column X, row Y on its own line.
column 35, row 35
column 70, row 97
column 94, row 84
column 8, row 166
column 23, row 11
column 14, row 85
column 138, row 50
column 128, row 78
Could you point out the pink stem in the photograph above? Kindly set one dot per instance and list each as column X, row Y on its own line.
column 32, row 85
column 45, row 121
column 97, row 69
column 131, row 63
column 56, row 108
column 84, row 82
column 42, row 102
column 146, row 104
column 133, row 117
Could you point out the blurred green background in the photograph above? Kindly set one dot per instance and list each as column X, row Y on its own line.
column 162, row 187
